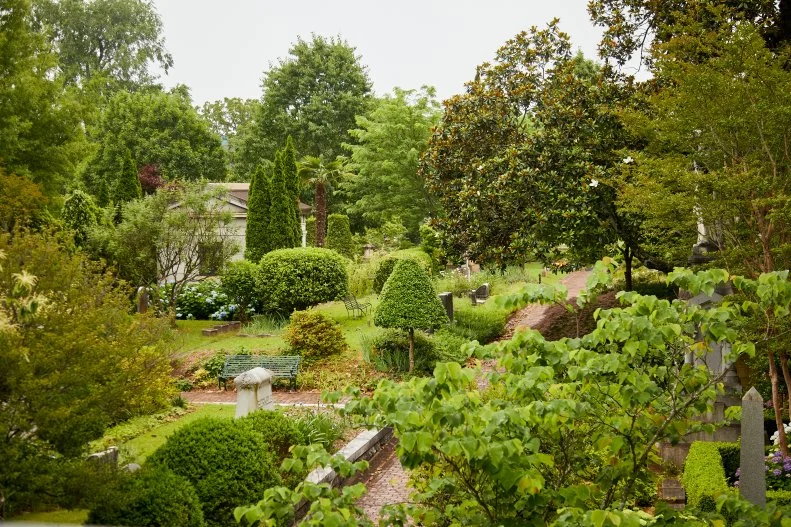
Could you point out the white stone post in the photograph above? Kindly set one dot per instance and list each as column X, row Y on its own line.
column 253, row 391
column 752, row 479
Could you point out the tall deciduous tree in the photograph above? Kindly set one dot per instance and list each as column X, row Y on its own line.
column 115, row 41
column 408, row 302
column 284, row 230
column 259, row 201
column 391, row 139
column 161, row 129
column 40, row 134
column 318, row 173
column 314, row 96
column 519, row 162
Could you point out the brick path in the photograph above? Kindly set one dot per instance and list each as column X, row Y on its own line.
column 387, row 479
column 229, row 397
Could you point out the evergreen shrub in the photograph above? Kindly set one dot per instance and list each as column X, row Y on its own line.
column 482, row 323
column 339, row 235
column 310, row 231
column 704, row 476
column 238, row 284
column 391, row 351
column 227, row 462
column 292, row 279
column 151, row 497
column 280, row 432
column 386, row 265
column 313, row 335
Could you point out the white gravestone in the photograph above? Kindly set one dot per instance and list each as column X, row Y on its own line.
column 253, row 391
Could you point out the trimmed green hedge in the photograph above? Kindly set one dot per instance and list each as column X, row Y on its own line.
column 704, row 476
column 781, row 497
column 339, row 235
column 292, row 279
column 482, row 323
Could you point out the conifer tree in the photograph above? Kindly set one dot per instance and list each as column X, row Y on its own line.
column 339, row 235
column 283, row 212
column 128, row 186
column 257, row 239
column 290, row 170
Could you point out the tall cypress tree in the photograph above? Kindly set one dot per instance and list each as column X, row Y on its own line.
column 128, row 186
column 290, row 170
column 257, row 239
column 283, row 220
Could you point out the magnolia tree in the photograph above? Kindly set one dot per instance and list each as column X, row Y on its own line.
column 563, row 432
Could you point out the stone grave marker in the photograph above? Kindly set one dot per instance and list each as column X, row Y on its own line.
column 752, row 481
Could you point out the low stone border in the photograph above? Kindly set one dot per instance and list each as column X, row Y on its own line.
column 221, row 328
column 363, row 447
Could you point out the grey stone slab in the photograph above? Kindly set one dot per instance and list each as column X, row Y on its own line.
column 752, row 481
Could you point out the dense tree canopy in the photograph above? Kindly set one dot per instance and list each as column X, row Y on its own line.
column 40, row 134
column 114, row 41
column 158, row 128
column 313, row 96
column 391, row 138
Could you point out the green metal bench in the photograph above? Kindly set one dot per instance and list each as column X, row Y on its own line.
column 353, row 306
column 283, row 366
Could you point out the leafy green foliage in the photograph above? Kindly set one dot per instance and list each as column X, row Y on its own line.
column 290, row 170
column 257, row 239
column 313, row 96
column 310, row 227
column 225, row 460
column 386, row 265
column 151, row 497
column 22, row 202
column 299, row 278
column 317, row 172
column 313, row 335
column 280, row 432
column 391, row 138
column 704, row 477
column 127, row 187
column 339, row 235
column 73, row 361
column 143, row 123
column 283, row 209
column 482, row 323
column 79, row 214
column 390, row 351
column 238, row 284
column 40, row 131
column 408, row 300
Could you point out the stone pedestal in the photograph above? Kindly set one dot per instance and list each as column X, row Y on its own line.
column 253, row 391
column 142, row 299
column 752, row 481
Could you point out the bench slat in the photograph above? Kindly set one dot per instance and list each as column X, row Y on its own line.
column 286, row 366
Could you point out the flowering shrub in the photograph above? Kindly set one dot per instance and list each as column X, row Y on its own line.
column 203, row 301
column 778, row 472
column 776, row 436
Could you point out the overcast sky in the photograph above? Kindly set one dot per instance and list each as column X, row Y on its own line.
column 221, row 49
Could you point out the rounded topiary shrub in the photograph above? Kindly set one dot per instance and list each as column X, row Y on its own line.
column 238, row 284
column 310, row 231
column 339, row 235
column 292, row 279
column 152, row 497
column 227, row 462
column 313, row 335
column 387, row 265
column 280, row 432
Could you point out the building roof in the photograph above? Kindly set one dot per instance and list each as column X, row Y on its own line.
column 242, row 191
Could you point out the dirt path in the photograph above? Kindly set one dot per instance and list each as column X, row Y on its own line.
column 387, row 480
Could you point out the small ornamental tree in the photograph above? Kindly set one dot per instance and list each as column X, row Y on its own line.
column 339, row 235
column 79, row 214
column 408, row 302
column 257, row 235
column 128, row 186
column 284, row 230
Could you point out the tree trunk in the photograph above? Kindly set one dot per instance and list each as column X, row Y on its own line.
column 786, row 375
column 321, row 214
column 777, row 404
column 627, row 271
column 411, row 350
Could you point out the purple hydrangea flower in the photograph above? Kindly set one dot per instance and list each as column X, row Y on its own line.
column 777, row 472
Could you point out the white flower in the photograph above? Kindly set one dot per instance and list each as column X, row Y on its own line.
column 628, row 159
column 594, row 183
column 776, row 437
column 480, row 167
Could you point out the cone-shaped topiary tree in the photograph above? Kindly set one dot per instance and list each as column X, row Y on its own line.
column 339, row 235
column 310, row 227
column 284, row 231
column 128, row 186
column 257, row 242
column 408, row 302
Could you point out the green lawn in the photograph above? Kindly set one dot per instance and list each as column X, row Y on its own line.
column 78, row 517
column 138, row 449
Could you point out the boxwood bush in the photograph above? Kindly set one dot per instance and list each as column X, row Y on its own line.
column 339, row 235
column 704, row 476
column 482, row 323
column 149, row 498
column 238, row 284
column 386, row 265
column 227, row 462
column 280, row 432
column 313, row 335
column 292, row 279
